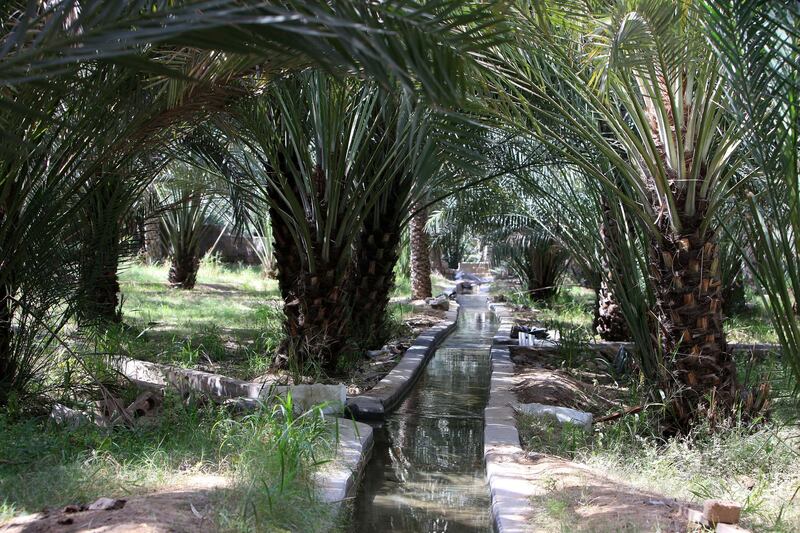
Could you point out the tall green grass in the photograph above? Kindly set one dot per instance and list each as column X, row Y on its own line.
column 267, row 457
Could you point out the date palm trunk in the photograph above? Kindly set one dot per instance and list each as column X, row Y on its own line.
column 685, row 275
column 100, row 286
column 420, row 257
column 376, row 256
column 8, row 366
column 100, row 229
column 316, row 302
column 609, row 322
column 153, row 248
column 183, row 269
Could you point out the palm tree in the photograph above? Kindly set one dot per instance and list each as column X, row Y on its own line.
column 56, row 115
column 534, row 256
column 420, row 255
column 183, row 224
column 758, row 44
column 318, row 153
column 646, row 74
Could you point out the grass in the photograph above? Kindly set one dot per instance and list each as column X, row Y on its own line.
column 439, row 284
column 267, row 456
column 231, row 320
column 573, row 308
column 230, row 323
column 756, row 464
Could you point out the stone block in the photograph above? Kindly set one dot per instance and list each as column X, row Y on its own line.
column 563, row 415
column 721, row 511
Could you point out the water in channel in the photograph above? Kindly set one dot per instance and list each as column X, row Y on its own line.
column 426, row 472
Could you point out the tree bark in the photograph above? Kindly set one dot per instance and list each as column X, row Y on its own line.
column 8, row 366
column 316, row 304
column 153, row 247
column 420, row 257
column 377, row 255
column 685, row 272
column 100, row 286
column 183, row 270
column 610, row 322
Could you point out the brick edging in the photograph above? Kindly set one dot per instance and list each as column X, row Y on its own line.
column 384, row 397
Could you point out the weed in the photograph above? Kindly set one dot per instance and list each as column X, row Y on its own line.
column 269, row 456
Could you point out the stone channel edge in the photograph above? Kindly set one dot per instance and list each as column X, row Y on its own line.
column 510, row 493
column 384, row 397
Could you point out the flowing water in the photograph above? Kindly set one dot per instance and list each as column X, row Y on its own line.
column 426, row 472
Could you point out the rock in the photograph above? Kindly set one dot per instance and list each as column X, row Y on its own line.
column 145, row 405
column 72, row 418
column 464, row 287
column 107, row 504
column 441, row 303
column 305, row 397
column 563, row 415
column 721, row 511
column 374, row 354
column 695, row 516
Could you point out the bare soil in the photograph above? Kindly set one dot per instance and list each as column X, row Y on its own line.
column 540, row 378
column 571, row 496
column 181, row 507
column 370, row 370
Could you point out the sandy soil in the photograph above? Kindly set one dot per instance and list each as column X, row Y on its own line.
column 182, row 507
column 570, row 496
column 540, row 379
column 371, row 370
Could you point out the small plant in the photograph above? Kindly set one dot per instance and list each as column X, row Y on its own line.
column 572, row 344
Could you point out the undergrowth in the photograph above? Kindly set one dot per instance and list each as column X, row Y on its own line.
column 267, row 456
column 754, row 463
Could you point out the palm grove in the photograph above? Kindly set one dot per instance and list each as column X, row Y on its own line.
column 649, row 144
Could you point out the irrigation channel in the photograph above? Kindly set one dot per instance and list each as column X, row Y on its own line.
column 426, row 473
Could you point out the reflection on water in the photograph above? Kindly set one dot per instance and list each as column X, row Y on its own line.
column 426, row 472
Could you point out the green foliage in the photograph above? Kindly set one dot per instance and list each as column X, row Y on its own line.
column 271, row 476
column 268, row 454
column 757, row 44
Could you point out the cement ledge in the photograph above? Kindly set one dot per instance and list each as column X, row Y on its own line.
column 151, row 375
column 338, row 480
column 384, row 397
column 510, row 492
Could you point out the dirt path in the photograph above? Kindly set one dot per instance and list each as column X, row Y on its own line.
column 184, row 507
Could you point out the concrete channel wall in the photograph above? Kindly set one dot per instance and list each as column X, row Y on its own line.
column 510, row 492
column 148, row 375
column 384, row 397
column 338, row 480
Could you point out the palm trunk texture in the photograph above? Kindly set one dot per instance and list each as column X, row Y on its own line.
column 420, row 257
column 316, row 304
column 8, row 367
column 183, row 270
column 685, row 273
column 610, row 322
column 377, row 255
